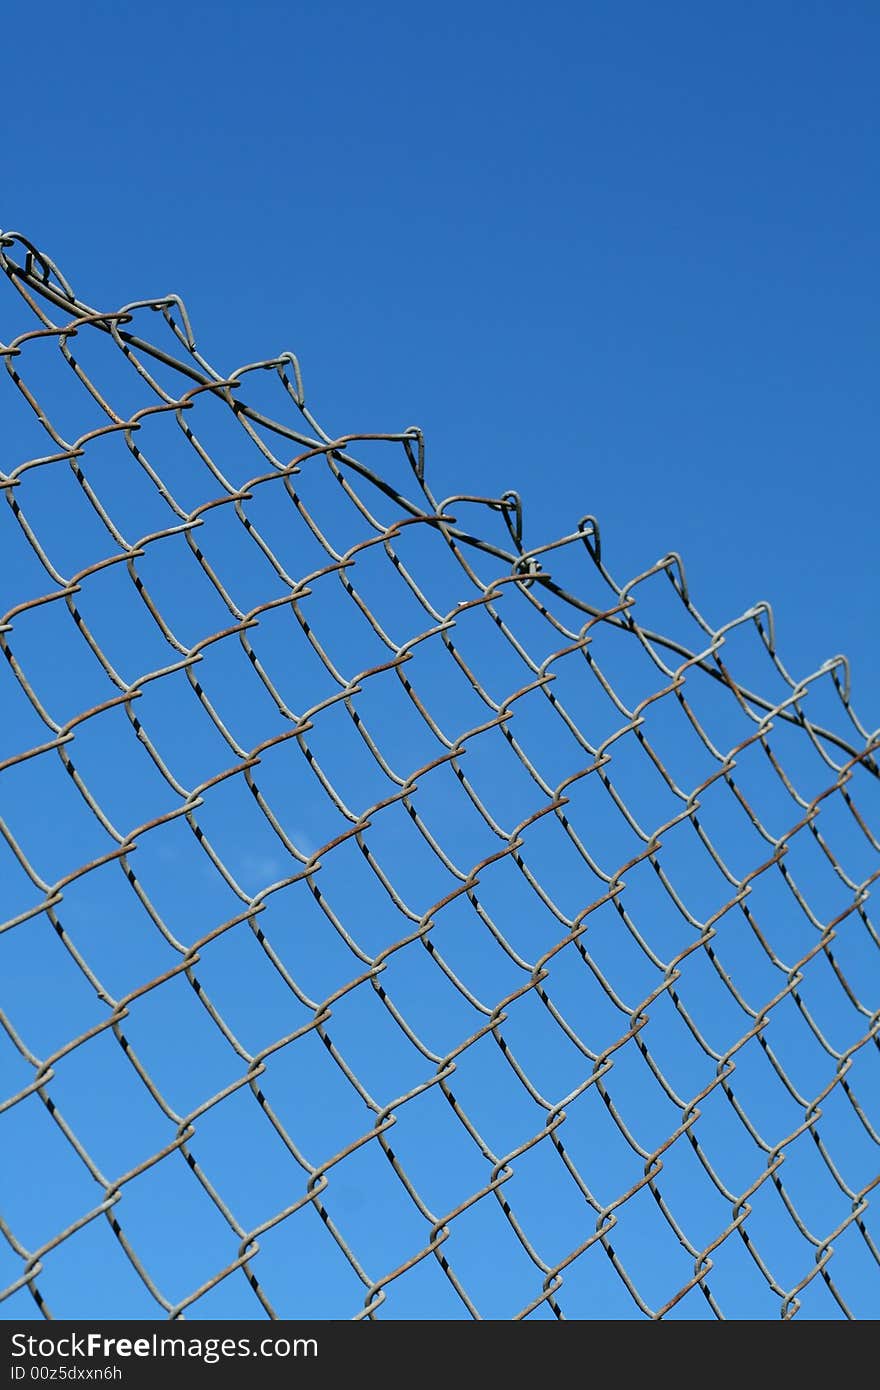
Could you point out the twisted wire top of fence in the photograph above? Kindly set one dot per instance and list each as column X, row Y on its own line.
column 397, row 919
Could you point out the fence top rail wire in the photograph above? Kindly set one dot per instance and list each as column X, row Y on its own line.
column 38, row 273
column 772, row 957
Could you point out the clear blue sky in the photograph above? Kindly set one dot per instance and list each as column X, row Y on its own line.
column 618, row 257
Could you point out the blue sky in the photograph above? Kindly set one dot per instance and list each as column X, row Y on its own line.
column 620, row 258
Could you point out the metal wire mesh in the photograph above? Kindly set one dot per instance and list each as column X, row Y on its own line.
column 607, row 899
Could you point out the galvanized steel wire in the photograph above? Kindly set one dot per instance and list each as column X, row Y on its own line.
column 548, row 627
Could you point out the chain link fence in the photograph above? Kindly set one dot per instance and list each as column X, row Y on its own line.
column 396, row 920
